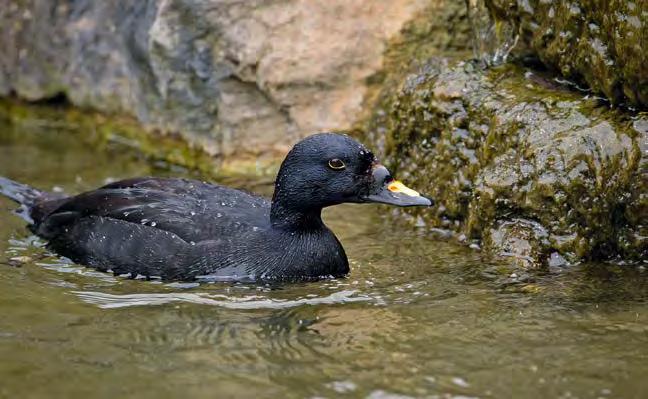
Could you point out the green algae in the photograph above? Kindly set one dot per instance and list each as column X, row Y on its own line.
column 527, row 167
column 600, row 44
column 98, row 130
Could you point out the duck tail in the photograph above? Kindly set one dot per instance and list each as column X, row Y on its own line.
column 20, row 193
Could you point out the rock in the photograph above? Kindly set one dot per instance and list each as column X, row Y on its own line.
column 526, row 165
column 599, row 43
column 523, row 240
column 555, row 260
column 232, row 76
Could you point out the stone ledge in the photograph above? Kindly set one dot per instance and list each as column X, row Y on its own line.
column 522, row 164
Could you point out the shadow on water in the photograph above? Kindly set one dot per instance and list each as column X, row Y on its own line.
column 416, row 317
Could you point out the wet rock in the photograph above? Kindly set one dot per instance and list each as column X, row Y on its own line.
column 599, row 43
column 556, row 260
column 232, row 76
column 525, row 241
column 493, row 39
column 527, row 166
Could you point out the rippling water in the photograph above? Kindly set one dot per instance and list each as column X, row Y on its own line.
column 415, row 318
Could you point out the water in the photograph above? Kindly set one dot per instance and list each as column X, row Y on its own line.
column 415, row 318
column 493, row 39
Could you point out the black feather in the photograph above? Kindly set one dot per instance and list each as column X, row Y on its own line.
column 183, row 229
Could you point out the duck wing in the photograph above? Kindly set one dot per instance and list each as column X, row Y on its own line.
column 124, row 248
column 191, row 210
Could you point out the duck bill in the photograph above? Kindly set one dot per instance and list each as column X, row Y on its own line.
column 386, row 190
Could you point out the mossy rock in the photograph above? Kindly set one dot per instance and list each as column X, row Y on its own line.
column 599, row 43
column 510, row 156
column 97, row 130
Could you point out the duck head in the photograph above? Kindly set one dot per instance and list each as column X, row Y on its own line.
column 328, row 169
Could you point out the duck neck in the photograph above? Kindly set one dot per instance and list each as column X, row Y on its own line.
column 294, row 205
column 295, row 217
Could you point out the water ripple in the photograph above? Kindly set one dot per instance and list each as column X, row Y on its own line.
column 111, row 301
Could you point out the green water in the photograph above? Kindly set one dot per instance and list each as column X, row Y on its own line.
column 415, row 318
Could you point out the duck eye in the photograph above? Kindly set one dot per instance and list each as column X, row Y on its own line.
column 336, row 164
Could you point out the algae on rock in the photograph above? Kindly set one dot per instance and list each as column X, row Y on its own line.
column 442, row 28
column 600, row 43
column 97, row 129
column 529, row 168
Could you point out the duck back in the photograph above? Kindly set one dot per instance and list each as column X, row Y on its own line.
column 182, row 230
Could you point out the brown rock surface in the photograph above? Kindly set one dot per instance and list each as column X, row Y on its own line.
column 234, row 76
